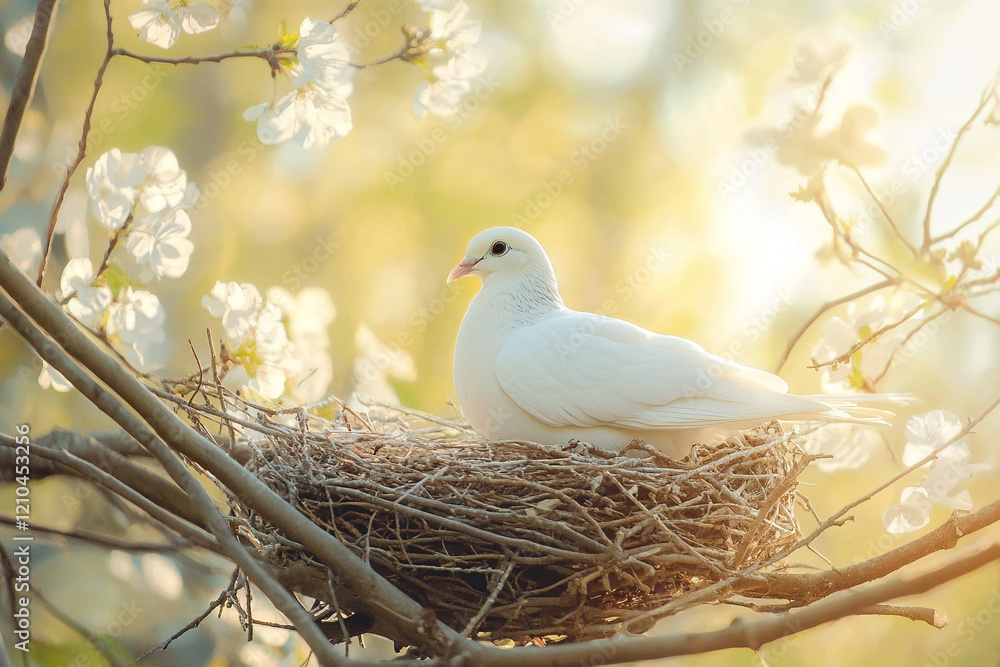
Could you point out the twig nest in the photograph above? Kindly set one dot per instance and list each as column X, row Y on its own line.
column 508, row 540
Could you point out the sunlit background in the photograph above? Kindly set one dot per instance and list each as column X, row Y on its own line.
column 626, row 136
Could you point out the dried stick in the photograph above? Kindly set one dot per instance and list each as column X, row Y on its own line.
column 81, row 150
column 947, row 163
column 404, row 617
column 833, row 303
column 100, row 397
column 24, row 87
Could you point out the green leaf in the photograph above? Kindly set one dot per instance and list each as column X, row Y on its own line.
column 802, row 194
column 118, row 280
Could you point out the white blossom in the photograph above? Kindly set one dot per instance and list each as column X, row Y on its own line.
column 160, row 242
column 927, row 432
column 308, row 315
column 316, row 110
column 275, row 353
column 942, row 485
column 164, row 182
column 448, row 83
column 442, row 95
column 451, row 28
column 24, row 248
column 88, row 303
column 50, row 378
column 112, row 184
column 322, row 57
column 237, row 304
column 912, row 513
column 161, row 24
column 840, row 335
column 310, row 115
column 135, row 325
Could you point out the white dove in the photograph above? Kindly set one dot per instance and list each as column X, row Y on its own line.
column 529, row 368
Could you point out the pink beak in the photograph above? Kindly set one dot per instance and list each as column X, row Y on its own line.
column 464, row 268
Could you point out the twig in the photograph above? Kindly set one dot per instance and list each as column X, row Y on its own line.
column 491, row 600
column 987, row 95
column 81, row 150
column 797, row 336
column 282, row 599
column 892, row 222
column 346, row 10
column 71, row 623
column 24, row 87
column 215, row 604
column 846, row 356
column 933, row 617
column 974, row 218
column 271, row 55
column 401, row 616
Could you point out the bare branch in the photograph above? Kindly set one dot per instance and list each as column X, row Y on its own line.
column 81, row 150
column 409, row 621
column 885, row 212
column 987, row 94
column 823, row 310
column 971, row 220
column 24, row 87
column 282, row 599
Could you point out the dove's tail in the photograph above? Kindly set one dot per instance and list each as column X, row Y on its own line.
column 860, row 408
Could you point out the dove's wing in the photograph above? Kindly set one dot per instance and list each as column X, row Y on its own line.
column 581, row 369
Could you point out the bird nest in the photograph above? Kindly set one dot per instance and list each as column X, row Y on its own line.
column 514, row 540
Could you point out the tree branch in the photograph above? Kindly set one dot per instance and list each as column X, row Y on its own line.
column 410, row 622
column 81, row 150
column 24, row 87
column 284, row 601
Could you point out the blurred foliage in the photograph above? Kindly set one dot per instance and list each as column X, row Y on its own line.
column 677, row 89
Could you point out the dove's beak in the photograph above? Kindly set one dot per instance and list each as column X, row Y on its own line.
column 464, row 268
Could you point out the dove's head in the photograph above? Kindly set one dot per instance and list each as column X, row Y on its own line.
column 505, row 252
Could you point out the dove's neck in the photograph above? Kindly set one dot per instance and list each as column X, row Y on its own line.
column 514, row 302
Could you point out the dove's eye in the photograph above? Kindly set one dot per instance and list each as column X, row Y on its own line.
column 498, row 248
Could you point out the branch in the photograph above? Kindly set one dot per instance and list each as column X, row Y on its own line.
column 24, row 87
column 822, row 310
column 885, row 212
column 271, row 55
column 947, row 163
column 282, row 599
column 410, row 622
column 141, row 480
column 738, row 634
column 81, row 150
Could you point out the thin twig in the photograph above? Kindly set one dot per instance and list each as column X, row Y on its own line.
column 885, row 212
column 833, row 303
column 81, row 150
column 987, row 95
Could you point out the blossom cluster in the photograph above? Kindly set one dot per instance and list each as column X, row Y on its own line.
column 162, row 21
column 455, row 39
column 142, row 200
column 942, row 485
column 279, row 346
column 316, row 110
column 842, row 334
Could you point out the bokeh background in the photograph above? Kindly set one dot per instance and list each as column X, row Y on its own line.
column 672, row 217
